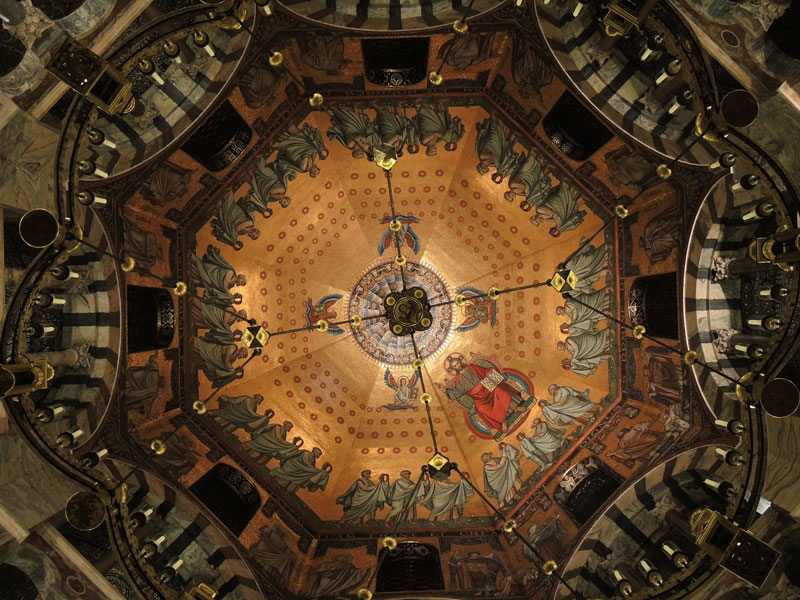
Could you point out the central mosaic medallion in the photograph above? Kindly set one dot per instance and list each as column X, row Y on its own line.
column 408, row 311
column 380, row 292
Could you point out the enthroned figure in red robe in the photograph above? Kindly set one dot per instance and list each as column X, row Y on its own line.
column 479, row 386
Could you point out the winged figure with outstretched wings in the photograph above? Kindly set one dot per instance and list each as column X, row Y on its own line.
column 323, row 310
column 405, row 237
column 405, row 391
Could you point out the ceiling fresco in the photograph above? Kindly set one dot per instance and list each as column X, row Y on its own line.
column 328, row 426
column 304, row 237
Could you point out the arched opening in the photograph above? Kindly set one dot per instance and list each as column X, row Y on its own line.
column 220, row 140
column 229, row 495
column 151, row 318
column 585, row 486
column 12, row 51
column 57, row 9
column 395, row 62
column 654, row 304
column 573, row 129
column 411, row 566
column 16, row 585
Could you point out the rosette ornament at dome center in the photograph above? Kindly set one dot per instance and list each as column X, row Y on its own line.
column 380, row 292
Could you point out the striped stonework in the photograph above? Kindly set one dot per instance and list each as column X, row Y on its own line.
column 712, row 305
column 164, row 112
column 190, row 533
column 628, row 529
column 90, row 319
column 617, row 85
column 388, row 15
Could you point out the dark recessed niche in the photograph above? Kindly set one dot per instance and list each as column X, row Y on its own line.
column 11, row 52
column 220, row 139
column 229, row 495
column 395, row 62
column 57, row 9
column 654, row 304
column 412, row 566
column 573, row 128
column 151, row 318
column 783, row 31
column 16, row 585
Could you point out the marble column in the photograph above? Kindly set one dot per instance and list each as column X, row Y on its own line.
column 71, row 357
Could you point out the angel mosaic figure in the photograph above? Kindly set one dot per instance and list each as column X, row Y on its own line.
column 405, row 237
column 405, row 390
column 477, row 310
column 323, row 310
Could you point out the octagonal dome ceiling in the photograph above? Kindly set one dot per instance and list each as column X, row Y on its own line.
column 304, row 230
column 296, row 230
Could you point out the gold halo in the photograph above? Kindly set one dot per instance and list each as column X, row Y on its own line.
column 435, row 78
column 549, row 567
column 621, row 211
column 356, row 321
column 276, row 59
column 460, row 300
column 390, row 543
column 425, row 322
column 316, row 100
column 127, row 264
column 417, row 364
column 690, row 357
column 199, row 407
column 639, row 331
column 418, row 294
column 390, row 301
column 426, row 398
column 322, row 325
column 460, row 26
column 158, row 446
column 663, row 171
column 395, row 226
column 398, row 329
column 180, row 288
column 493, row 293
column 509, row 525
column 364, row 594
column 400, row 260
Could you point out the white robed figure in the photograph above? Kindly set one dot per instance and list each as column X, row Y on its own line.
column 270, row 441
column 364, row 498
column 240, row 411
column 501, row 475
column 588, row 349
column 529, row 180
column 544, row 445
column 446, row 499
column 588, row 265
column 217, row 276
column 568, row 405
column 583, row 318
column 562, row 207
column 402, row 496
